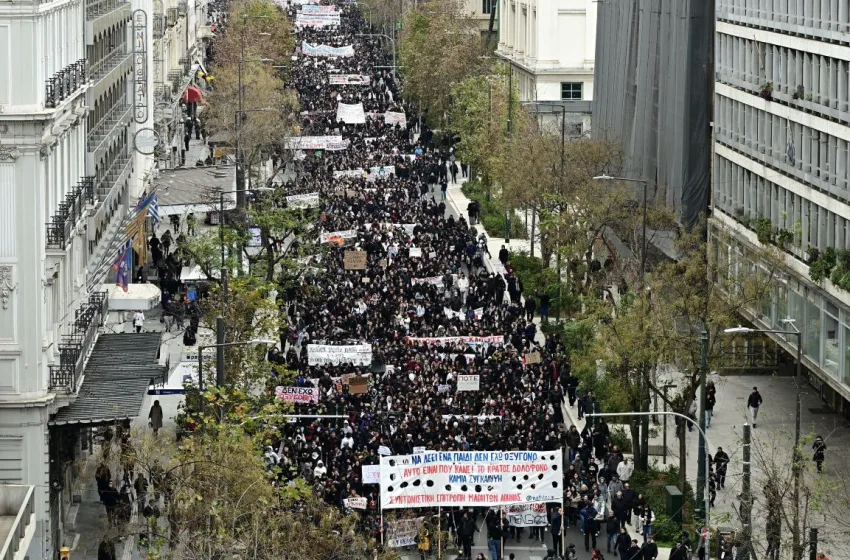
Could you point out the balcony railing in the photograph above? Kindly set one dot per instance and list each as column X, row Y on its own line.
column 98, row 8
column 17, row 509
column 64, row 83
column 107, row 181
column 70, row 211
column 106, row 64
column 102, row 129
column 76, row 345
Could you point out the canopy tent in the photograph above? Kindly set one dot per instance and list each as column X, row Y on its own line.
column 138, row 297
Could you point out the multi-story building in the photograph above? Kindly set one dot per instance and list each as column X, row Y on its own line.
column 782, row 165
column 484, row 12
column 550, row 46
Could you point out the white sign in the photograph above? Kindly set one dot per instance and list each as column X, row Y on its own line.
column 350, row 114
column 371, row 474
column 326, row 50
column 392, row 118
column 311, row 142
column 346, row 234
column 297, row 394
column 381, row 171
column 327, row 355
column 403, row 532
column 384, row 450
column 454, row 314
column 468, row 382
column 317, row 20
column 349, row 80
column 420, row 449
column 445, row 340
column 316, row 9
column 356, row 173
column 310, row 200
column 355, row 503
column 471, row 478
column 527, row 515
column 414, row 252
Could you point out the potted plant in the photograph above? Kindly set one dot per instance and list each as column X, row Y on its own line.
column 800, row 93
column 767, row 91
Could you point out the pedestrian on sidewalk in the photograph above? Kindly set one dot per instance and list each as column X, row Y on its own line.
column 625, row 470
column 753, row 403
column 612, row 530
column 530, row 306
column 624, row 541
column 557, row 524
column 191, row 222
column 544, row 308
column 504, row 255
column 453, row 170
column 444, row 187
column 155, row 417
column 710, row 401
column 819, row 452
column 650, row 549
column 692, row 414
column 166, row 241
column 138, row 321
column 721, row 462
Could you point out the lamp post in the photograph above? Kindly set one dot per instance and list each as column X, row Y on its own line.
column 220, row 345
column 706, row 500
column 390, row 39
column 797, row 459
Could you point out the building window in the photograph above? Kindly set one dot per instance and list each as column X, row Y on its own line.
column 487, row 6
column 571, row 90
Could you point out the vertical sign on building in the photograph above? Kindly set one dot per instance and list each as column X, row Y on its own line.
column 140, row 66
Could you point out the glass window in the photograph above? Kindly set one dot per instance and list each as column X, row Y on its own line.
column 812, row 334
column 847, row 355
column 571, row 90
column 781, row 308
column 487, row 6
column 831, row 354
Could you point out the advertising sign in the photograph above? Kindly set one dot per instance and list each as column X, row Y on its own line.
column 471, row 478
column 140, row 67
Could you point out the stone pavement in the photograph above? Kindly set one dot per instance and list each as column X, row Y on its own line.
column 772, row 439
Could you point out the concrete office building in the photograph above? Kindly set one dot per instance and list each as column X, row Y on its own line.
column 782, row 165
column 550, row 46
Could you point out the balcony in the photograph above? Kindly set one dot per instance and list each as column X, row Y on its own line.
column 70, row 211
column 77, row 343
column 107, row 71
column 64, row 83
column 104, row 14
column 104, row 132
column 17, row 520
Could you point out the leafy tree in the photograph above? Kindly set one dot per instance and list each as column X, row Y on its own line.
column 440, row 47
column 261, row 27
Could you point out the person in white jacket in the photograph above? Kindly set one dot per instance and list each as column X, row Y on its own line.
column 463, row 286
column 625, row 470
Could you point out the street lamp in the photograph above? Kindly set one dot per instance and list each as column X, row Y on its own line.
column 389, row 39
column 797, row 459
column 643, row 248
column 707, row 499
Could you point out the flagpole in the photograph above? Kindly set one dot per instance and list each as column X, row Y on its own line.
column 563, row 512
column 501, row 534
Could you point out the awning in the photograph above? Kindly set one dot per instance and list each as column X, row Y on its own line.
column 138, row 297
column 116, row 378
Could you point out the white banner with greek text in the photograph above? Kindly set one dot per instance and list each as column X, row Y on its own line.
column 403, row 532
column 325, row 354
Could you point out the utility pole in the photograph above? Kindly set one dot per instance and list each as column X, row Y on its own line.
column 746, row 497
column 702, row 472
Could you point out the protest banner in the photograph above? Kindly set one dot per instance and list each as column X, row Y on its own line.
column 355, row 503
column 380, row 171
column 328, row 355
column 316, row 9
column 526, row 515
column 384, row 450
column 355, row 260
column 358, row 385
column 393, row 119
column 471, row 478
column 443, row 388
column 454, row 314
column 532, row 358
column 310, row 200
column 414, row 252
column 371, row 474
column 317, row 20
column 310, row 142
column 478, row 313
column 434, row 280
column 350, row 114
column 347, row 234
column 480, row 418
column 356, row 173
column 403, row 532
column 419, row 449
column 468, row 382
column 349, row 80
column 326, row 50
column 444, row 340
column 297, row 394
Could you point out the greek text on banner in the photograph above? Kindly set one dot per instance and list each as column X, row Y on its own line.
column 325, row 354
column 297, row 394
column 471, row 478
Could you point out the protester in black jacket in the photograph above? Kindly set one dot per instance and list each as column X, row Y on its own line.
column 650, row 550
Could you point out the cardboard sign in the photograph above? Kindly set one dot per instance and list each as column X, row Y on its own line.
column 414, row 252
column 468, row 382
column 355, row 260
column 532, row 358
column 358, row 385
column 383, row 263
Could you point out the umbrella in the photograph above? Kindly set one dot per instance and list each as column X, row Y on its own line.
column 193, row 95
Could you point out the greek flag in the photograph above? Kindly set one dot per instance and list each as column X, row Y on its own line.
column 153, row 210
